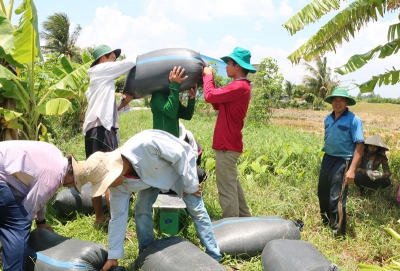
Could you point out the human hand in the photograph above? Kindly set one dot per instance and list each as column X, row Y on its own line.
column 109, row 264
column 349, row 177
column 207, row 70
column 197, row 194
column 176, row 75
column 192, row 92
column 44, row 226
column 126, row 98
column 369, row 173
column 376, row 175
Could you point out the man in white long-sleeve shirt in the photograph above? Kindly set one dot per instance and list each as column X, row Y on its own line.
column 101, row 118
column 151, row 158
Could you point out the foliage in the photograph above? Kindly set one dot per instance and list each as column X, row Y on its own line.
column 219, row 80
column 72, row 84
column 266, row 91
column 20, row 47
column 319, row 81
column 376, row 98
column 394, row 158
column 390, row 264
column 279, row 174
column 57, row 36
column 345, row 24
column 289, row 88
column 300, row 90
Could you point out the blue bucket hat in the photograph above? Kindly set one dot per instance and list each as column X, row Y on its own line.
column 340, row 92
column 242, row 57
column 102, row 50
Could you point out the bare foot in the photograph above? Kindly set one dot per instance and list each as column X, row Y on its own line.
column 101, row 222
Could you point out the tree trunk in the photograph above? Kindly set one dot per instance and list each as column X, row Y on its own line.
column 6, row 133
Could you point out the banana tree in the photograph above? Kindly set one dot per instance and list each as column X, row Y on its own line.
column 73, row 83
column 341, row 28
column 19, row 50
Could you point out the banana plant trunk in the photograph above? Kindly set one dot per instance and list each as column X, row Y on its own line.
column 6, row 133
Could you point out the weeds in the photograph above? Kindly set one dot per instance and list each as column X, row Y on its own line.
column 279, row 173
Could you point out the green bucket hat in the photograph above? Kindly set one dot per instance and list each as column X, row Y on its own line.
column 102, row 50
column 340, row 92
column 242, row 57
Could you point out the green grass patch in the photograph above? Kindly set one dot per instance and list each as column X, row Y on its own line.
column 279, row 173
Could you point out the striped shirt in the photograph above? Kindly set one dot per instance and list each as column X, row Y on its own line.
column 40, row 161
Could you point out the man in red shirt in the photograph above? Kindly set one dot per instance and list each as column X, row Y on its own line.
column 232, row 102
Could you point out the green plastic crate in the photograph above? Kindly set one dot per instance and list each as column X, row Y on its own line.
column 171, row 220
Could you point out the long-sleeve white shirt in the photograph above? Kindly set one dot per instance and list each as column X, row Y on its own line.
column 100, row 95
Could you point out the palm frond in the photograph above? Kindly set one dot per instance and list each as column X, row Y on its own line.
column 74, row 79
column 391, row 77
column 309, row 14
column 394, row 31
column 340, row 28
column 358, row 61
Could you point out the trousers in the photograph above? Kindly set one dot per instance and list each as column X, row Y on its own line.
column 15, row 226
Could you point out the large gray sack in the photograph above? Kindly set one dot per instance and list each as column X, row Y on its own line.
column 68, row 201
column 48, row 251
column 247, row 236
column 151, row 72
column 174, row 254
column 288, row 255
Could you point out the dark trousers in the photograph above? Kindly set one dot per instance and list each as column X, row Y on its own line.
column 363, row 181
column 100, row 139
column 329, row 189
column 15, row 226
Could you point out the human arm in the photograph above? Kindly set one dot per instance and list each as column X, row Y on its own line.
column 350, row 174
column 126, row 99
column 42, row 224
column 186, row 112
column 375, row 173
column 233, row 91
column 111, row 70
column 385, row 167
column 41, row 191
column 169, row 105
column 109, row 263
column 197, row 194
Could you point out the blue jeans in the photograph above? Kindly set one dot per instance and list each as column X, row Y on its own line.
column 15, row 226
column 196, row 209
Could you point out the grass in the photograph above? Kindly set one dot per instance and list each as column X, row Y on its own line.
column 279, row 173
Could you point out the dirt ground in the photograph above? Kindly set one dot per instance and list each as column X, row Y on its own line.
column 380, row 119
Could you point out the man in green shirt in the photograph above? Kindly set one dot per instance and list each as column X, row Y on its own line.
column 166, row 107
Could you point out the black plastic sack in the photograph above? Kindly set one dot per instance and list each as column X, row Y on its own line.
column 174, row 254
column 48, row 251
column 288, row 255
column 247, row 236
column 152, row 69
column 68, row 201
